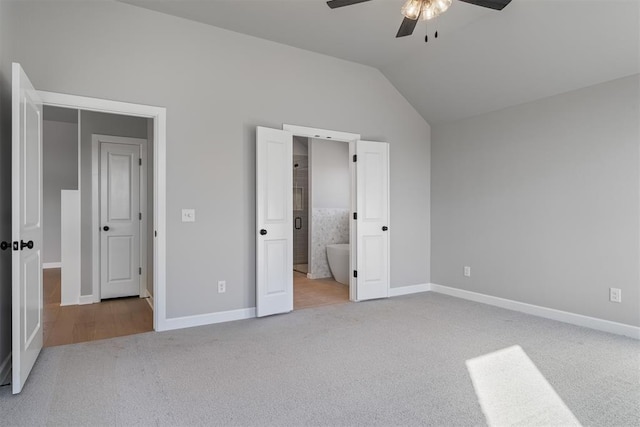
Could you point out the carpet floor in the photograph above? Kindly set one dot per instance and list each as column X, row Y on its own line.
column 394, row 362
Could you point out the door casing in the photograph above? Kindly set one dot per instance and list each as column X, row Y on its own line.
column 159, row 116
column 351, row 139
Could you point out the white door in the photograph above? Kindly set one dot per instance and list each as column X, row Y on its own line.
column 26, row 222
column 274, row 222
column 372, row 225
column 119, row 220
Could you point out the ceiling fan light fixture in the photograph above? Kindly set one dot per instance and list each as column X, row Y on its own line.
column 412, row 9
column 424, row 9
column 433, row 8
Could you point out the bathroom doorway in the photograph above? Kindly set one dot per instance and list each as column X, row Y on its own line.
column 321, row 207
column 367, row 216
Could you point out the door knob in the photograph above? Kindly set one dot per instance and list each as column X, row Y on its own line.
column 105, row 228
column 385, row 228
column 263, row 232
column 28, row 244
column 5, row 245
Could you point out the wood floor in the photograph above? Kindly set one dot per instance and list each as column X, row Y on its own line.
column 314, row 293
column 79, row 323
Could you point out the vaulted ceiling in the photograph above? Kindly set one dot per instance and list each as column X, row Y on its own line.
column 482, row 61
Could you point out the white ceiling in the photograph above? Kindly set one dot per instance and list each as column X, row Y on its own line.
column 483, row 60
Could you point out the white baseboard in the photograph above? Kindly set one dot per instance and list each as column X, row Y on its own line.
column 86, row 299
column 147, row 295
column 208, row 319
column 5, row 370
column 411, row 289
column 548, row 313
column 46, row 265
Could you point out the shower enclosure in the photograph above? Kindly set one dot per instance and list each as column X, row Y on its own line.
column 300, row 213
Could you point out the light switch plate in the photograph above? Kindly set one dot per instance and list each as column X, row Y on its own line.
column 188, row 215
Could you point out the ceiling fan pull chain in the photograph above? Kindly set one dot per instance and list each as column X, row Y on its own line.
column 426, row 36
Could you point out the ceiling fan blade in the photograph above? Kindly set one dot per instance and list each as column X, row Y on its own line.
column 340, row 3
column 407, row 27
column 491, row 4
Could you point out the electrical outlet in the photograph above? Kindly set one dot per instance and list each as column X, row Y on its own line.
column 222, row 286
column 615, row 295
column 467, row 271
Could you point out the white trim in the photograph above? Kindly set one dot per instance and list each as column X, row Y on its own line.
column 95, row 219
column 159, row 116
column 96, row 176
column 547, row 313
column 209, row 318
column 5, row 370
column 86, row 299
column 70, row 247
column 47, row 265
column 321, row 133
column 148, row 297
column 353, row 225
column 410, row 289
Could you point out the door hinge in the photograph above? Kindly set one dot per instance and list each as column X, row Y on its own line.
column 140, row 216
column 355, row 215
column 355, row 157
column 155, row 233
column 140, row 271
column 355, row 273
column 140, row 162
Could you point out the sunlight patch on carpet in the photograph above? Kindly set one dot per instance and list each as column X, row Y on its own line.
column 512, row 391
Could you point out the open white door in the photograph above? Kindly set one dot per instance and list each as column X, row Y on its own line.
column 372, row 225
column 274, row 222
column 26, row 205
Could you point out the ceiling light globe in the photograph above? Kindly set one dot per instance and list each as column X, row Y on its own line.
column 412, row 9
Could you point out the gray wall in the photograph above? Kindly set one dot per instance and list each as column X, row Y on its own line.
column 5, row 181
column 217, row 86
column 330, row 177
column 103, row 124
column 542, row 201
column 60, row 172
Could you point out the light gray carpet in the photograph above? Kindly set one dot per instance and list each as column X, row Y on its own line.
column 399, row 361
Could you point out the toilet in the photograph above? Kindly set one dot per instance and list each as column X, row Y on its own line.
column 338, row 257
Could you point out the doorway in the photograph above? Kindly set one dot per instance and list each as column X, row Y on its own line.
column 368, row 273
column 108, row 178
column 321, row 206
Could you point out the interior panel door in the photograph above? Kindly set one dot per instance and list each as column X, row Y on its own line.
column 372, row 234
column 26, row 208
column 120, row 220
column 274, row 222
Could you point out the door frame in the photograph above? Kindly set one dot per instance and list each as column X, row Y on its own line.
column 159, row 116
column 96, row 256
column 351, row 139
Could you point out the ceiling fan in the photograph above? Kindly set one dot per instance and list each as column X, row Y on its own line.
column 423, row 10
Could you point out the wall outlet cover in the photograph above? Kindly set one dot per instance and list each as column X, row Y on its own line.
column 222, row 286
column 615, row 295
column 467, row 271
